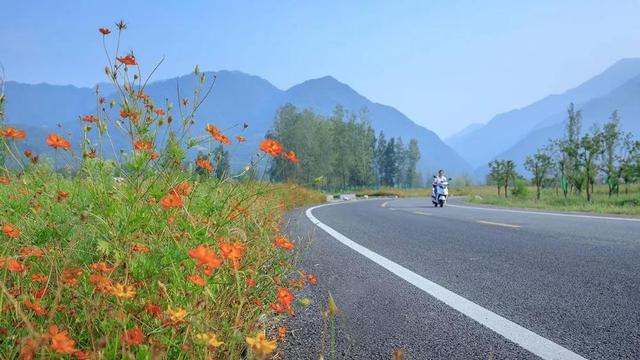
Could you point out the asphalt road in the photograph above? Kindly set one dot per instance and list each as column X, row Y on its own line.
column 572, row 281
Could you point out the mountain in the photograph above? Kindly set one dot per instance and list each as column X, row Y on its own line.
column 505, row 130
column 236, row 98
column 625, row 99
column 462, row 133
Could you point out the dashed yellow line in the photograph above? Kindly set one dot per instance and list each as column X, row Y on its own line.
column 422, row 213
column 499, row 224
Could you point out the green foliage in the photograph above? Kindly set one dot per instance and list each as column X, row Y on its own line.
column 340, row 152
column 502, row 173
column 520, row 188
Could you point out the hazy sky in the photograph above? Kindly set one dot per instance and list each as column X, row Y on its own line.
column 444, row 63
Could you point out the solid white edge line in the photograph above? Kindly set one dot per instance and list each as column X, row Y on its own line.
column 527, row 339
column 546, row 213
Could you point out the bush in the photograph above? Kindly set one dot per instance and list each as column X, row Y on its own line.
column 520, row 188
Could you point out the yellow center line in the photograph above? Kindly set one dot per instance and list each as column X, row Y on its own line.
column 421, row 213
column 499, row 224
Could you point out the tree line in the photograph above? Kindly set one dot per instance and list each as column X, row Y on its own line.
column 341, row 151
column 577, row 161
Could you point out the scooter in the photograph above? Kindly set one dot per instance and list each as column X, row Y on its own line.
column 440, row 193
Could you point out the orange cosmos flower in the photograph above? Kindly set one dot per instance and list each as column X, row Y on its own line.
column 205, row 256
column 36, row 307
column 137, row 247
column 133, row 336
column 172, row 200
column 261, row 345
column 62, row 195
column 284, row 243
column 291, row 156
column 123, row 291
column 152, row 309
column 40, row 293
column 196, row 279
column 183, row 188
column 41, row 278
column 159, row 112
column 285, row 297
column 241, row 139
column 89, row 118
column 4, row 180
column 13, row 133
column 101, row 282
column 15, row 266
column 27, row 251
column 232, row 251
column 102, row 266
column 61, row 342
column 104, row 31
column 58, row 142
column 282, row 331
column 154, row 155
column 11, row 231
column 209, row 339
column 142, row 145
column 70, row 276
column 250, row 282
column 312, row 279
column 176, row 315
column 271, row 147
column 28, row 153
column 204, row 164
column 128, row 60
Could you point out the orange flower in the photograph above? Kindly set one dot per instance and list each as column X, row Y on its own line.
column 27, row 251
column 232, row 251
column 152, row 309
column 205, row 256
column 58, row 142
column 89, row 118
column 128, row 60
column 291, row 156
column 40, row 293
column 101, row 282
column 284, row 243
column 204, row 164
column 70, row 276
column 62, row 195
column 133, row 336
column 241, row 139
column 250, row 282
column 4, row 180
column 11, row 231
column 176, row 315
column 223, row 139
column 41, row 278
column 196, row 279
column 271, row 147
column 159, row 112
column 137, row 247
column 285, row 297
column 123, row 291
column 13, row 133
column 15, row 266
column 183, row 188
column 282, row 331
column 153, row 155
column 28, row 153
column 60, row 341
column 102, row 266
column 36, row 307
column 312, row 279
column 104, row 31
column 142, row 145
column 172, row 200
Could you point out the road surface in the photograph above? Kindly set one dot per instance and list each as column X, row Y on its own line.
column 467, row 282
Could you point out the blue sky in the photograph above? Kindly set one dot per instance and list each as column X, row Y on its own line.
column 444, row 63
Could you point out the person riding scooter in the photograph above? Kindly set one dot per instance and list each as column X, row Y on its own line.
column 440, row 191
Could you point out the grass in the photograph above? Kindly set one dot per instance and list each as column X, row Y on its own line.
column 83, row 238
column 627, row 202
column 388, row 191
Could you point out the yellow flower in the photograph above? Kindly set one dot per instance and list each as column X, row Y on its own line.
column 123, row 291
column 209, row 339
column 260, row 345
column 177, row 314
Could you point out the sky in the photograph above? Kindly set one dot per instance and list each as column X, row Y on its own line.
column 445, row 64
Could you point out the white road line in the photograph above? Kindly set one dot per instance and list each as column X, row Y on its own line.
column 422, row 213
column 527, row 339
column 498, row 224
column 546, row 213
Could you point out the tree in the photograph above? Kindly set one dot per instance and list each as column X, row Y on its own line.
column 539, row 165
column 502, row 173
column 611, row 138
column 570, row 147
column 495, row 173
column 390, row 165
column 591, row 147
column 413, row 156
column 401, row 163
column 381, row 147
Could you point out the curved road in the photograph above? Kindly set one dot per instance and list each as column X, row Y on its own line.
column 465, row 282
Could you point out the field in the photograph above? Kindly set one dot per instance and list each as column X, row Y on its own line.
column 627, row 202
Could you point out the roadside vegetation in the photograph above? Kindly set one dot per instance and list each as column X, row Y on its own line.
column 142, row 252
column 341, row 152
column 597, row 170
